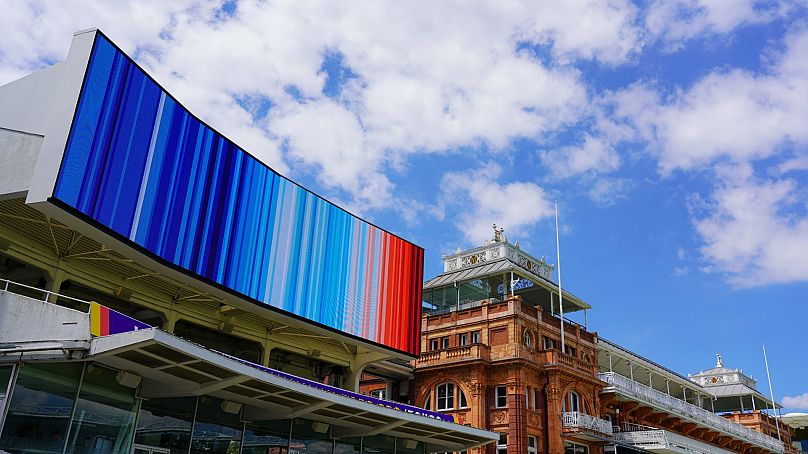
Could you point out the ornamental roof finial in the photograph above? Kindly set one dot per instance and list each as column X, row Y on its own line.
column 718, row 361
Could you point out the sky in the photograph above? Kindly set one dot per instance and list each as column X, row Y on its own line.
column 672, row 133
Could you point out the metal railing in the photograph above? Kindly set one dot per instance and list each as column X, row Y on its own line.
column 8, row 286
column 578, row 420
column 689, row 411
column 667, row 440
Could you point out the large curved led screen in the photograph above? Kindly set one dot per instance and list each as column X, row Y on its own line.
column 142, row 166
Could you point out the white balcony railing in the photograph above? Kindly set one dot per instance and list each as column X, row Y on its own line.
column 689, row 411
column 578, row 420
column 662, row 439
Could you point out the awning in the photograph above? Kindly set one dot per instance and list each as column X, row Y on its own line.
column 173, row 367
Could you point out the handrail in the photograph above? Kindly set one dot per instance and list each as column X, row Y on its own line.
column 688, row 410
column 666, row 439
column 46, row 293
column 578, row 420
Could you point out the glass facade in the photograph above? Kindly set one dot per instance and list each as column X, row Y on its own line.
column 166, row 423
column 40, row 408
column 267, row 437
column 75, row 407
column 104, row 418
column 216, row 430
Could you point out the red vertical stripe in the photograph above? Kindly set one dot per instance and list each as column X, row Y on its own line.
column 104, row 313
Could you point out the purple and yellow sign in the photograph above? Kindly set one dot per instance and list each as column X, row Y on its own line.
column 104, row 321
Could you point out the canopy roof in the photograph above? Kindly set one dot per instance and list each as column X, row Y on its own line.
column 173, row 367
column 493, row 279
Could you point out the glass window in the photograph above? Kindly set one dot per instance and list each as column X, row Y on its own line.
column 575, row 448
column 475, row 337
column 532, row 446
column 347, row 445
column 501, row 396
column 527, row 396
column 536, row 398
column 39, row 408
column 166, row 423
column 444, row 342
column 270, row 437
column 404, row 446
column 379, row 393
column 445, row 396
column 463, row 339
column 5, row 378
column 526, row 339
column 547, row 343
column 502, row 444
column 572, row 402
column 433, row 344
column 309, row 437
column 378, row 444
column 216, row 430
column 104, row 419
column 461, row 396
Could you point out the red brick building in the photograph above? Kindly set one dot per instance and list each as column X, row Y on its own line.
column 493, row 355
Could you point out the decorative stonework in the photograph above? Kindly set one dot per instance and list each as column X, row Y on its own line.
column 499, row 417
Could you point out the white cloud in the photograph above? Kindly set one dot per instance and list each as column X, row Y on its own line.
column 675, row 21
column 595, row 155
column 799, row 402
column 608, row 191
column 726, row 124
column 732, row 114
column 602, row 30
column 448, row 76
column 477, row 200
column 757, row 231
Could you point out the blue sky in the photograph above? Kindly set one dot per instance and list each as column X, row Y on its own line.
column 672, row 132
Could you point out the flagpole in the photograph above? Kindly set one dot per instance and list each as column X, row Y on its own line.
column 560, row 296
column 771, row 392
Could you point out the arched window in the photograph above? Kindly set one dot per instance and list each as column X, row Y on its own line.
column 572, row 402
column 461, row 399
column 527, row 339
column 428, row 402
column 445, row 393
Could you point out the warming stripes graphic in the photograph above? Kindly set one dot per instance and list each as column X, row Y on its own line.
column 141, row 165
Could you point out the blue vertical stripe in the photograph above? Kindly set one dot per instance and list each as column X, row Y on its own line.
column 140, row 165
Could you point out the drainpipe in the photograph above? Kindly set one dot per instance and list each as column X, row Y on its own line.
column 545, row 409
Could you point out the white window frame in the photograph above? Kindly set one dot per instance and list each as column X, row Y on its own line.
column 527, row 339
column 503, row 395
column 475, row 337
column 572, row 402
column 428, row 402
column 433, row 344
column 462, row 401
column 502, row 445
column 463, row 339
column 534, row 449
column 577, row 448
column 447, row 401
column 444, row 342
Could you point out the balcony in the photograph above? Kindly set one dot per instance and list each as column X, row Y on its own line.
column 455, row 354
column 557, row 357
column 682, row 409
column 577, row 421
column 667, row 442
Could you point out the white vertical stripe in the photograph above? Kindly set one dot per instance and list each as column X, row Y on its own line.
column 145, row 181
